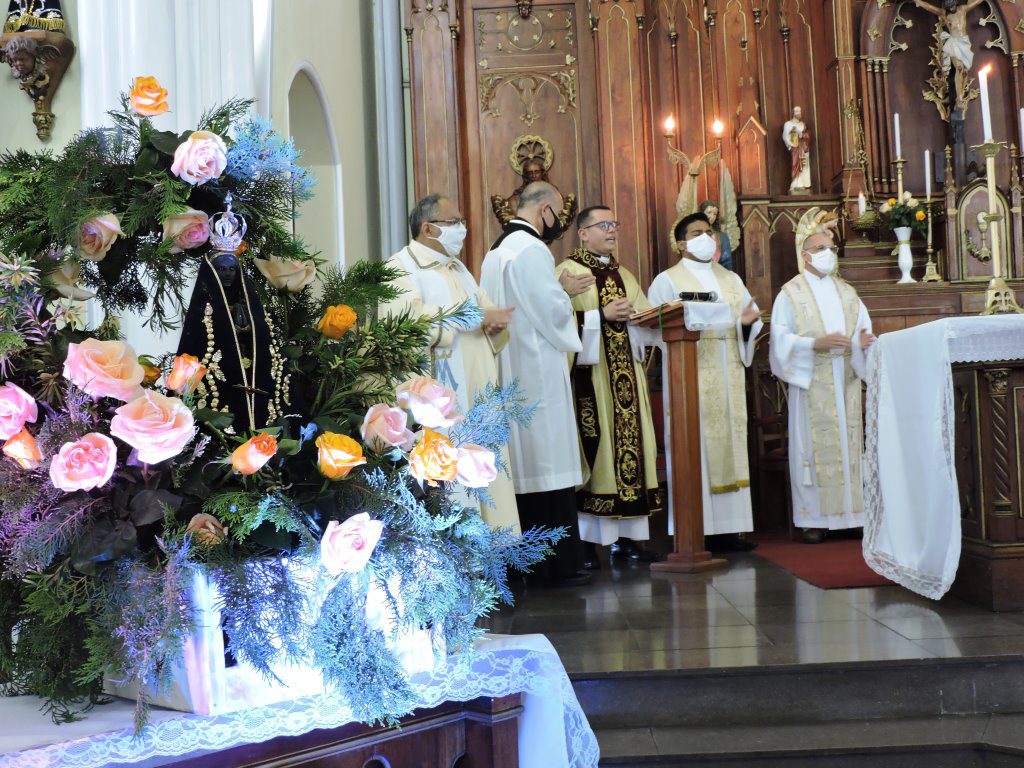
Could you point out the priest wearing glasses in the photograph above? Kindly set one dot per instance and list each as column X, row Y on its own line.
column 613, row 406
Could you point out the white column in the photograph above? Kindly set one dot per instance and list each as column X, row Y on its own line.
column 387, row 46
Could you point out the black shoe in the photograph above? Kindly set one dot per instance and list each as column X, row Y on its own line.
column 628, row 549
column 730, row 542
column 812, row 535
column 581, row 579
column 590, row 561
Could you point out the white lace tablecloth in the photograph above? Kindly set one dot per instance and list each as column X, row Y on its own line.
column 911, row 499
column 553, row 731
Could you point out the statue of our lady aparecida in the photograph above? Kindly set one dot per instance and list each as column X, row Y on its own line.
column 227, row 330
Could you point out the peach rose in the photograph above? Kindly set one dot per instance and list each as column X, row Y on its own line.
column 432, row 404
column 64, row 279
column 339, row 455
column 476, row 468
column 155, row 425
column 147, row 97
column 97, row 235
column 386, row 427
column 186, row 373
column 206, row 530
column 337, row 321
column 188, row 229
column 346, row 547
column 200, row 158
column 433, row 459
column 84, row 464
column 150, row 373
column 16, row 407
column 287, row 274
column 23, row 449
column 104, row 369
column 250, row 456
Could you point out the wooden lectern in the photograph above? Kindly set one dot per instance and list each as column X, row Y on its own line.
column 689, row 555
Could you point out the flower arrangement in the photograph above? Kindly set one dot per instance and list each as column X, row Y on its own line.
column 904, row 211
column 124, row 475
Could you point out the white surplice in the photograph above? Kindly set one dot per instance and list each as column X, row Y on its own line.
column 792, row 360
column 520, row 272
column 462, row 360
column 723, row 512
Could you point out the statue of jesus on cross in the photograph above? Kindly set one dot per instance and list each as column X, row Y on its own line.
column 956, row 44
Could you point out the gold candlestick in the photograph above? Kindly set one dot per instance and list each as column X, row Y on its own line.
column 1000, row 298
column 931, row 275
column 899, row 162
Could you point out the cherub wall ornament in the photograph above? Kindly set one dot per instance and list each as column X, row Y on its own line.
column 531, row 158
column 38, row 52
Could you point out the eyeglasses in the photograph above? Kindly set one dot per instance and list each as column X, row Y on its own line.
column 449, row 222
column 604, row 226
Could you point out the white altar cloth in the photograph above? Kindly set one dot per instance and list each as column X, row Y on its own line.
column 553, row 731
column 911, row 499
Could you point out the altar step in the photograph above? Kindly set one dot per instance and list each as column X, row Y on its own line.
column 929, row 712
column 973, row 741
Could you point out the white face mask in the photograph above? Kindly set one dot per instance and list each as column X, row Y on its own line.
column 824, row 261
column 701, row 247
column 451, row 238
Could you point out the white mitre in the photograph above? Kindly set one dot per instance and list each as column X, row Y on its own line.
column 814, row 222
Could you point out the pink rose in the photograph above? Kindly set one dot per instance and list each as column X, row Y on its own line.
column 346, row 547
column 432, row 404
column 16, row 407
column 96, row 235
column 104, row 369
column 85, row 464
column 386, row 427
column 200, row 158
column 155, row 425
column 476, row 468
column 188, row 230
column 287, row 274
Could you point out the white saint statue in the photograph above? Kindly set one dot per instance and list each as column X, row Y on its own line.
column 798, row 141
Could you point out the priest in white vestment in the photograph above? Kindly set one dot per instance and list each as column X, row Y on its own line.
column 820, row 332
column 722, row 355
column 519, row 271
column 463, row 360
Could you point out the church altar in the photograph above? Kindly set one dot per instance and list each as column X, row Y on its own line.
column 553, row 731
column 914, row 513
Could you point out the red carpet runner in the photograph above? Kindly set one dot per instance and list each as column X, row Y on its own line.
column 833, row 564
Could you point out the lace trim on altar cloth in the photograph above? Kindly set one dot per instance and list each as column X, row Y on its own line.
column 1000, row 337
column 526, row 667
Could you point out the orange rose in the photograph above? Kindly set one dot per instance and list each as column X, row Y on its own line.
column 23, row 449
column 434, row 459
column 186, row 373
column 147, row 97
column 339, row 455
column 337, row 321
column 920, row 216
column 250, row 456
column 151, row 374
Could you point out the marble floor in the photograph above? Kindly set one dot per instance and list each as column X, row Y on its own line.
column 752, row 614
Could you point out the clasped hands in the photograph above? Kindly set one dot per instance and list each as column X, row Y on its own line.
column 842, row 341
column 496, row 319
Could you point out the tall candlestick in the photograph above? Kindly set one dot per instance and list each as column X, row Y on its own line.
column 1021, row 145
column 899, row 146
column 986, row 112
column 927, row 174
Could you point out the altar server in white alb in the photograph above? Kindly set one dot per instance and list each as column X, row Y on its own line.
column 519, row 271
column 464, row 360
column 820, row 332
column 722, row 354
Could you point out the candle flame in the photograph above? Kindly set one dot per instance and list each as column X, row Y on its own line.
column 717, row 127
column 670, row 125
column 985, row 70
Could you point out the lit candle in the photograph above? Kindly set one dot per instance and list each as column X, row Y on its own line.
column 899, row 146
column 670, row 125
column 862, row 204
column 986, row 113
column 717, row 127
column 927, row 174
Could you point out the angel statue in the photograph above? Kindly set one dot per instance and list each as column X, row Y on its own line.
column 531, row 158
column 956, row 44
column 722, row 214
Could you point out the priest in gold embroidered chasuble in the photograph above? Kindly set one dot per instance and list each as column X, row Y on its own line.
column 613, row 406
column 722, row 355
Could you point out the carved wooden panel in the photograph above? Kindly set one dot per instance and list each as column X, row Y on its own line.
column 968, row 452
